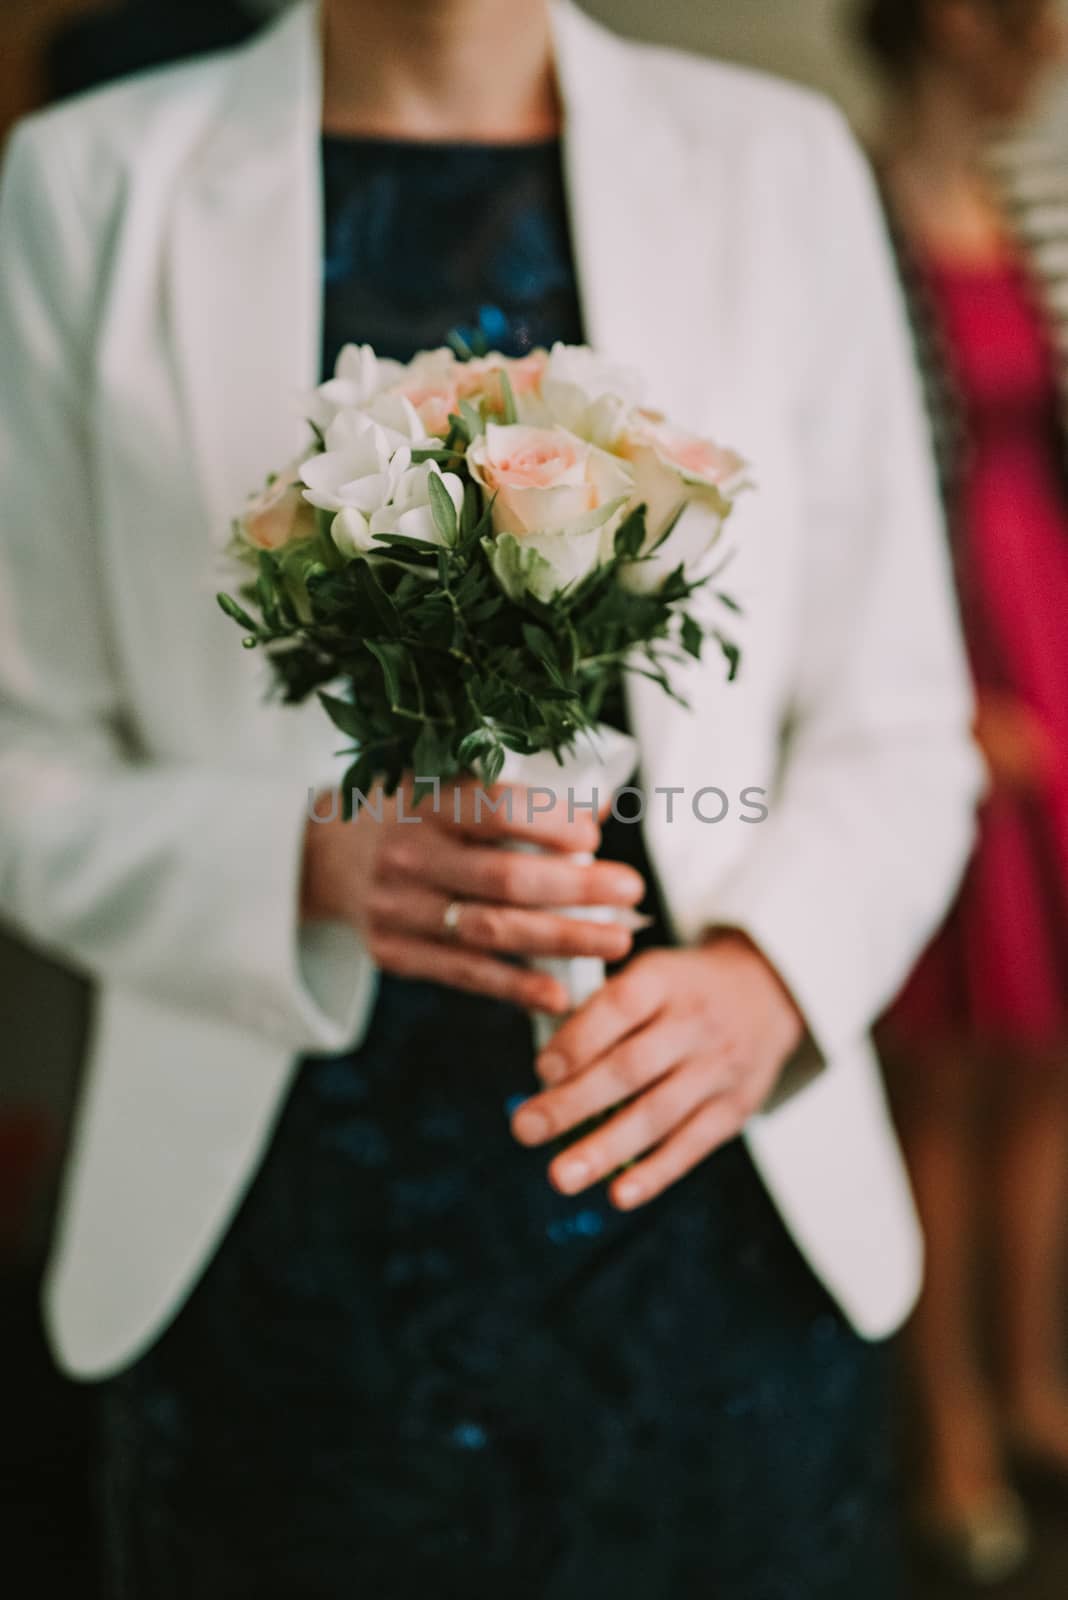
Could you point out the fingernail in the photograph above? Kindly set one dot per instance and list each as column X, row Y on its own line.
column 572, row 1175
column 628, row 885
column 552, row 1068
column 627, row 1195
column 530, row 1127
column 631, row 921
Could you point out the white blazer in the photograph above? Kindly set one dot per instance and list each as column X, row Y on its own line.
column 160, row 268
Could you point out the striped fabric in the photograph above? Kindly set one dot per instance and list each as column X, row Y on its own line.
column 1031, row 176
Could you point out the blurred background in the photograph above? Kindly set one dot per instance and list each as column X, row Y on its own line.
column 53, row 48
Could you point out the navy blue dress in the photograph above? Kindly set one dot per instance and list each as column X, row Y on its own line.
column 413, row 1369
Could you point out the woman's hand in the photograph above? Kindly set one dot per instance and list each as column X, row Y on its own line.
column 395, row 882
column 694, row 1042
column 1018, row 747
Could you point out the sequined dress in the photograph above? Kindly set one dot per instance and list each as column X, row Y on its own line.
column 412, row 1369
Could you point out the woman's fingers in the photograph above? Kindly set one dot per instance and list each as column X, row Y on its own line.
column 632, row 1067
column 412, row 957
column 620, row 1008
column 507, row 812
column 481, row 926
column 506, row 877
column 638, row 1128
column 710, row 1126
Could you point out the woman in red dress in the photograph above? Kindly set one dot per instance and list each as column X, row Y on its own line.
column 979, row 1040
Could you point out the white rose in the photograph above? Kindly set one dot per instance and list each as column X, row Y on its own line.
column 581, row 392
column 555, row 500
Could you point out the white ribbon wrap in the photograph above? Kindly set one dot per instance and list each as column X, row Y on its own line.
column 600, row 762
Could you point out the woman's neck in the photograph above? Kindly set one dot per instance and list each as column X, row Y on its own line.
column 934, row 130
column 479, row 70
column 932, row 163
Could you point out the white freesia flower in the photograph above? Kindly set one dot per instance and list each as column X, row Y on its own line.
column 400, row 418
column 359, row 375
column 409, row 511
column 555, row 500
column 360, row 467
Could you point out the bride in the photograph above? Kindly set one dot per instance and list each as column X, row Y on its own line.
column 370, row 1310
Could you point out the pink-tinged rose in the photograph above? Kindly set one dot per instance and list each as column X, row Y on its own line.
column 279, row 515
column 545, row 480
column 480, row 380
column 431, row 384
column 555, row 496
column 677, row 472
column 673, row 468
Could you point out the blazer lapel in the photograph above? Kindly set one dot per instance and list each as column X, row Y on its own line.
column 649, row 300
column 645, row 298
column 245, row 255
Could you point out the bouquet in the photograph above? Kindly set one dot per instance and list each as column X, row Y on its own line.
column 470, row 555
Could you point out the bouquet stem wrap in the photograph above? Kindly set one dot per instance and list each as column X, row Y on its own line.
column 599, row 763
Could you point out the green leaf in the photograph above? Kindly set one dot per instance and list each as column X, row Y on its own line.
column 328, row 550
column 459, row 345
column 390, row 658
column 370, row 591
column 443, row 510
column 692, row 637
column 440, row 456
column 360, row 776
column 266, row 599
column 472, row 420
column 729, row 602
column 235, row 612
column 473, row 745
column 732, row 655
column 404, row 541
column 672, row 524
column 459, row 433
column 432, row 755
column 510, row 415
column 631, row 534
column 344, row 715
column 518, row 568
column 492, row 765
column 539, row 644
column 471, row 513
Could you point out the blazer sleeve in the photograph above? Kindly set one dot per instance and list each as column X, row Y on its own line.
column 872, row 819
column 181, row 881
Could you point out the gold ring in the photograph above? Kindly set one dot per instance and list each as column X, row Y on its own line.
column 450, row 922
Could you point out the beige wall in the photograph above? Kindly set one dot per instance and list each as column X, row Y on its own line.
column 810, row 40
column 805, row 39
